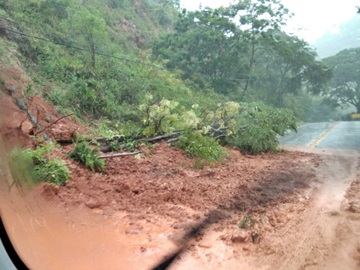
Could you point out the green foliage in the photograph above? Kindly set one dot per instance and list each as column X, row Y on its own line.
column 252, row 128
column 53, row 171
column 95, row 86
column 206, row 47
column 122, row 143
column 21, row 168
column 247, row 222
column 35, row 164
column 159, row 117
column 165, row 116
column 287, row 66
column 345, row 86
column 211, row 49
column 108, row 76
column 258, row 126
column 87, row 23
column 256, row 61
column 220, row 121
column 201, row 147
column 88, row 156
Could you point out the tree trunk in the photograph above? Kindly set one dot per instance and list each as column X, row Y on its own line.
column 251, row 63
column 93, row 54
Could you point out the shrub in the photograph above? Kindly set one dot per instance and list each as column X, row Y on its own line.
column 258, row 127
column 204, row 148
column 88, row 156
column 53, row 171
column 36, row 165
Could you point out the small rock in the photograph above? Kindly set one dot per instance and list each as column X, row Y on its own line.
column 354, row 207
column 241, row 237
column 255, row 237
column 131, row 232
column 10, row 86
column 204, row 245
column 91, row 203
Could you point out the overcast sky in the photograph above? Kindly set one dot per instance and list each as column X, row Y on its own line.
column 312, row 18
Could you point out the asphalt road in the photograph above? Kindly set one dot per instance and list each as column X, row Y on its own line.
column 333, row 135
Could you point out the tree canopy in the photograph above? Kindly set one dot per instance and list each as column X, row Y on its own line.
column 241, row 51
column 344, row 88
column 218, row 72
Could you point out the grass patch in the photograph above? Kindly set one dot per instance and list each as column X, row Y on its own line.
column 88, row 156
column 33, row 166
column 206, row 150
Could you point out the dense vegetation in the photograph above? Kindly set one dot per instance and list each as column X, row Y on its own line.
column 241, row 54
column 39, row 165
column 146, row 68
column 344, row 88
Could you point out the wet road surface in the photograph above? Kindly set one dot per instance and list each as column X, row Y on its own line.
column 333, row 135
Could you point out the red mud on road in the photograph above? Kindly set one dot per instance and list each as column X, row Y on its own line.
column 137, row 212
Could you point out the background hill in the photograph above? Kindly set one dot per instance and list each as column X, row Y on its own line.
column 347, row 37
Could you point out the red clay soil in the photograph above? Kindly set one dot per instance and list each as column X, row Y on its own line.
column 15, row 125
column 163, row 182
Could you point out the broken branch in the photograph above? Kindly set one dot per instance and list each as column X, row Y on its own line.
column 122, row 154
column 53, row 123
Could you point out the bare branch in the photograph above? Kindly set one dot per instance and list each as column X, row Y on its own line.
column 122, row 154
column 53, row 123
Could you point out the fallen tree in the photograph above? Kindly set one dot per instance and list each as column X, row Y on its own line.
column 252, row 128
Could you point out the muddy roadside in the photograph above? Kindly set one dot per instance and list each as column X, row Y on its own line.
column 273, row 211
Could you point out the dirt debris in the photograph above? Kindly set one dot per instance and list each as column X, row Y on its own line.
column 158, row 185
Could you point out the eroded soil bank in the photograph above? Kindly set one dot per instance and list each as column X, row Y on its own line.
column 291, row 210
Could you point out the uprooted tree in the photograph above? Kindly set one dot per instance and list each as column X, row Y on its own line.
column 251, row 127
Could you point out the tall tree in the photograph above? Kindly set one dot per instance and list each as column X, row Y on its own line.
column 288, row 65
column 87, row 24
column 220, row 46
column 205, row 47
column 345, row 86
column 257, row 18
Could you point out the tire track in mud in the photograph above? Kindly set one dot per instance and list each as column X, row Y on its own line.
column 313, row 239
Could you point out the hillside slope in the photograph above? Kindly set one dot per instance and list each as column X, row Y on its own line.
column 347, row 37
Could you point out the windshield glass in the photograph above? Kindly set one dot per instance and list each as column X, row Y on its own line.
column 180, row 134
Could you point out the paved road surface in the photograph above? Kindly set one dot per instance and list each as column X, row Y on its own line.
column 333, row 135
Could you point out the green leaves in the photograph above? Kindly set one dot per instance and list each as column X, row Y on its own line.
column 165, row 116
column 345, row 86
column 286, row 66
column 53, row 171
column 251, row 127
column 88, row 156
column 39, row 166
column 257, row 128
column 205, row 47
column 159, row 117
column 85, row 22
column 200, row 147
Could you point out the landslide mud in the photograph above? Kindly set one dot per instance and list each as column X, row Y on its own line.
column 139, row 210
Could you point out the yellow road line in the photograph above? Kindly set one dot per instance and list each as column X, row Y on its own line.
column 319, row 139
